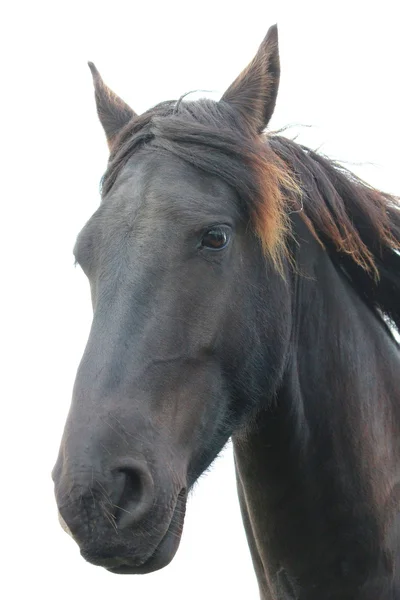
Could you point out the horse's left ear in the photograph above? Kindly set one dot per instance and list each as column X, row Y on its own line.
column 254, row 92
column 113, row 112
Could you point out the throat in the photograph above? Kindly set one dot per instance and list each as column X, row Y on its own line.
column 316, row 472
column 311, row 522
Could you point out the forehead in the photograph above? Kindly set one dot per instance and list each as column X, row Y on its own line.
column 161, row 185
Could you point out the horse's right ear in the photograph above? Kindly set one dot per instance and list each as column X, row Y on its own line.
column 253, row 94
column 113, row 112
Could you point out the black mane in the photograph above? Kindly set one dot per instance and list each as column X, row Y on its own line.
column 358, row 225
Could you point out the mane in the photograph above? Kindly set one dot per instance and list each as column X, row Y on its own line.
column 358, row 225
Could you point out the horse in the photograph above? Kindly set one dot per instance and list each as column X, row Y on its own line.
column 245, row 287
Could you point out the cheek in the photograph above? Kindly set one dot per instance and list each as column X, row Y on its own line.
column 204, row 414
column 192, row 404
column 190, row 314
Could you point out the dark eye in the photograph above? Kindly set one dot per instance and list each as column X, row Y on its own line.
column 215, row 238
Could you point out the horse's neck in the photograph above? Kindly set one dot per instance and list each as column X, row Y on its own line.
column 317, row 475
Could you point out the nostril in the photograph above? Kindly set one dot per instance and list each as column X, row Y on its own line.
column 118, row 486
column 133, row 488
column 136, row 498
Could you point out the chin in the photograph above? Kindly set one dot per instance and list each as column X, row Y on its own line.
column 123, row 559
column 161, row 557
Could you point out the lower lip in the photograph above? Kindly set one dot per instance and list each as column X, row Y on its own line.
column 164, row 552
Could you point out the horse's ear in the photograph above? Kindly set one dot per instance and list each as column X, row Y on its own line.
column 113, row 112
column 254, row 92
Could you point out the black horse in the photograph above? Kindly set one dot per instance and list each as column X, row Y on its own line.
column 242, row 285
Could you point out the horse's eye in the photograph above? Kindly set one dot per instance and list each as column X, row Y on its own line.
column 215, row 238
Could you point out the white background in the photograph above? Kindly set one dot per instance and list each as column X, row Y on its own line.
column 340, row 75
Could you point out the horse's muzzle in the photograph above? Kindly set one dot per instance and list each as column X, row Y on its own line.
column 121, row 519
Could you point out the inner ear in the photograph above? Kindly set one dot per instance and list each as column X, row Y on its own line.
column 113, row 112
column 254, row 92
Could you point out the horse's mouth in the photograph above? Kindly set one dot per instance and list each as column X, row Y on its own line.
column 161, row 555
